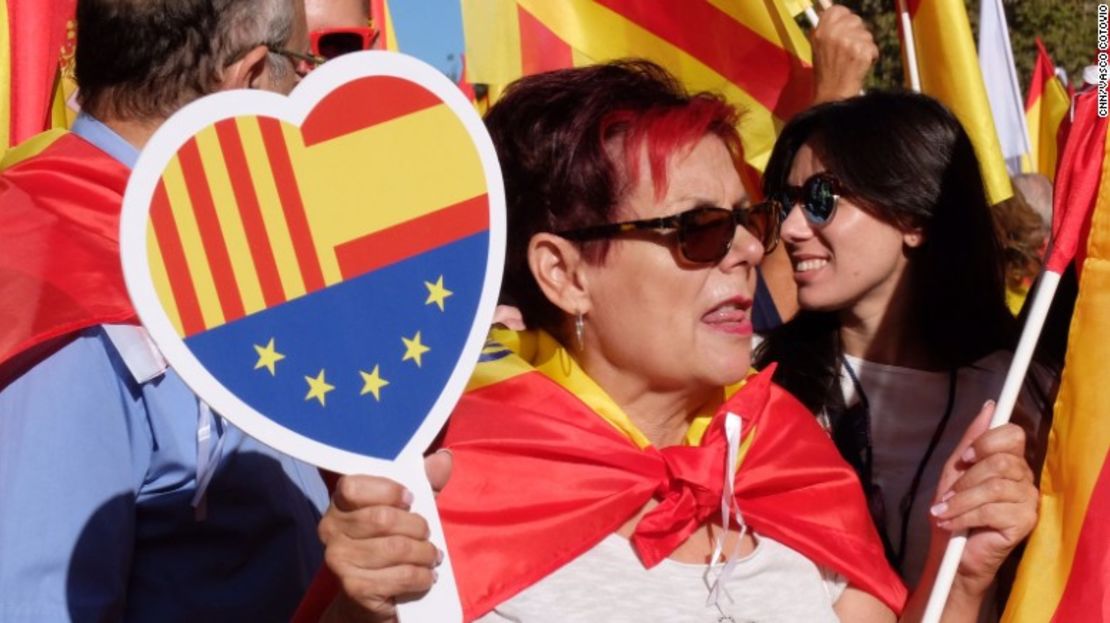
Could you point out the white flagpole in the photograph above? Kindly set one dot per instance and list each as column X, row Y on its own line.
column 1042, row 300
column 909, row 45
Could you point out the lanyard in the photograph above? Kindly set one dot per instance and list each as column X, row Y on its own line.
column 874, row 493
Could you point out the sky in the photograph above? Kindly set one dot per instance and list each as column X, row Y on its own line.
column 430, row 30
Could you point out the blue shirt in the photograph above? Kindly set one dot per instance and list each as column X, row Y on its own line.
column 98, row 474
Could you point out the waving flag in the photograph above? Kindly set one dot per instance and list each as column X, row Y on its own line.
column 1046, row 108
column 753, row 53
column 36, row 51
column 950, row 72
column 324, row 305
column 1065, row 573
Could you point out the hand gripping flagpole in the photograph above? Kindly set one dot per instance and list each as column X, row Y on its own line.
column 1076, row 190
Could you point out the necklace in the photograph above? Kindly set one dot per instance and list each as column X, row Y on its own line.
column 858, row 424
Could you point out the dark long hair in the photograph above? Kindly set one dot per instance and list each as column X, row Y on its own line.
column 906, row 160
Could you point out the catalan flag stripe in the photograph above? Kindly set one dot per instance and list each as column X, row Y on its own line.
column 211, row 235
column 269, row 200
column 292, row 205
column 540, row 49
column 192, row 244
column 775, row 78
column 177, row 268
column 250, row 211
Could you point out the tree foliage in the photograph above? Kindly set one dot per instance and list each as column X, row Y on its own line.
column 1067, row 28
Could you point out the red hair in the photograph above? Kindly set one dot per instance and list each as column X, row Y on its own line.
column 669, row 130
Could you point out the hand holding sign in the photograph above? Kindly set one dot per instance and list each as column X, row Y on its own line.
column 322, row 269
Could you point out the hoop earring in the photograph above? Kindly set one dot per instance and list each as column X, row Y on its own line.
column 579, row 329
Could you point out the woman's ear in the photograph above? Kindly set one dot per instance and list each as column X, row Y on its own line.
column 557, row 264
column 247, row 71
column 913, row 238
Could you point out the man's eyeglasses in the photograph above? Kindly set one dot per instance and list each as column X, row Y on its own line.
column 302, row 62
column 818, row 197
column 329, row 43
column 705, row 233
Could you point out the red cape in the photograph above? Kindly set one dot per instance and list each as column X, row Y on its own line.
column 539, row 479
column 60, row 269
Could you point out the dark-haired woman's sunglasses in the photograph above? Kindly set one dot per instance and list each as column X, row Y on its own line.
column 705, row 233
column 818, row 197
column 329, row 43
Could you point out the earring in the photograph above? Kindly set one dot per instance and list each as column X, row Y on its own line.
column 579, row 329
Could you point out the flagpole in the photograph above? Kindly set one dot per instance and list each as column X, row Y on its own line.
column 909, row 45
column 1034, row 324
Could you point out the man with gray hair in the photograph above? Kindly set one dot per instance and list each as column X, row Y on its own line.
column 124, row 497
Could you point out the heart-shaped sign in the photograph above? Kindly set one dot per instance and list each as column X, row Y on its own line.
column 322, row 268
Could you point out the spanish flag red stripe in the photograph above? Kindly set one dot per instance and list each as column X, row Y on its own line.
column 173, row 256
column 405, row 240
column 292, row 205
column 387, row 98
column 1084, row 586
column 773, row 76
column 251, row 213
column 540, row 49
column 215, row 247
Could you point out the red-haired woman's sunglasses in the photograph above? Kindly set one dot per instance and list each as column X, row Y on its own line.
column 332, row 42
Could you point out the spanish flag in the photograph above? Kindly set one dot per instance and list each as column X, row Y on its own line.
column 1046, row 107
column 949, row 70
column 753, row 53
column 36, row 60
column 1065, row 573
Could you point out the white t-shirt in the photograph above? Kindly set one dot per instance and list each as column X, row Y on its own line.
column 609, row 584
column 906, row 405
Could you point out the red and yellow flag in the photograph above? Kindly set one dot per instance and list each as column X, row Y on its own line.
column 36, row 78
column 383, row 21
column 1065, row 573
column 949, row 69
column 753, row 53
column 1046, row 107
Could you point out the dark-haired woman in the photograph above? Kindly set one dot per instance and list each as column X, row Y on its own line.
column 904, row 330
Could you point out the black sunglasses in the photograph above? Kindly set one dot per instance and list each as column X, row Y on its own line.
column 705, row 233
column 818, row 197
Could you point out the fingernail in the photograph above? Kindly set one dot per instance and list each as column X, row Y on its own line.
column 435, row 576
column 989, row 403
column 938, row 509
column 969, row 455
column 406, row 498
column 943, row 525
column 439, row 556
column 947, row 496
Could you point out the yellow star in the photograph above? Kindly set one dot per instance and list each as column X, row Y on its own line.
column 414, row 349
column 372, row 383
column 318, row 388
column 437, row 293
column 267, row 357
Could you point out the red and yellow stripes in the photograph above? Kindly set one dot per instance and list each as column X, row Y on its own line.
column 383, row 21
column 1046, row 107
column 752, row 53
column 1065, row 573
column 252, row 212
